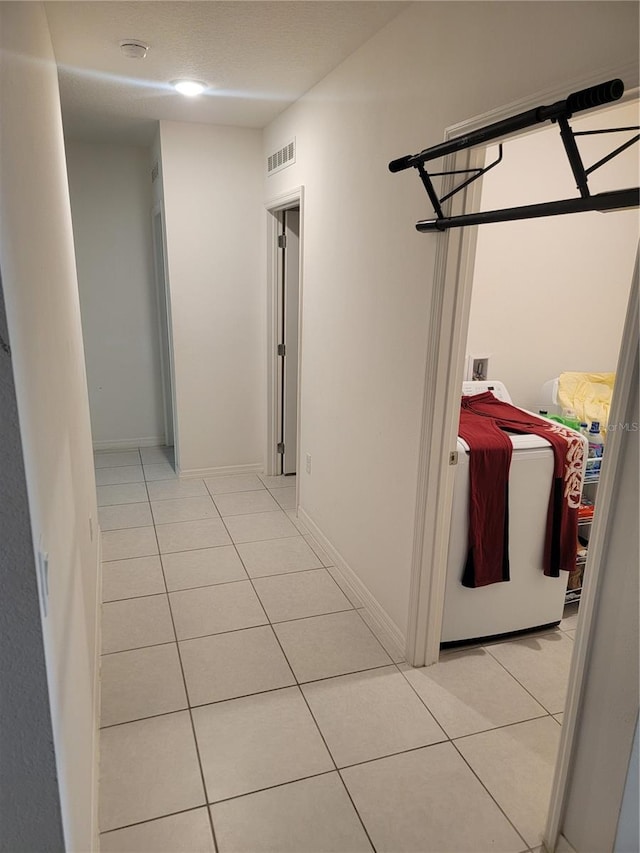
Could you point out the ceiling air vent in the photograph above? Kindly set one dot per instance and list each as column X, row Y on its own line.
column 282, row 158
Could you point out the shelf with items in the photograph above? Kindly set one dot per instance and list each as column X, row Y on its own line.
column 572, row 596
column 585, row 520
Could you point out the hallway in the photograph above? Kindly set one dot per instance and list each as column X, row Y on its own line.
column 239, row 672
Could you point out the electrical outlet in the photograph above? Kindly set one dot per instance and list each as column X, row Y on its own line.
column 308, row 463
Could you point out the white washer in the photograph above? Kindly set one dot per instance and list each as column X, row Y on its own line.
column 530, row 599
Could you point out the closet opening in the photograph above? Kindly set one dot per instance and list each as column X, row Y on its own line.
column 284, row 329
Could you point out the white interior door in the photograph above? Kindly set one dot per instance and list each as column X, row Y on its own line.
column 163, row 321
column 288, row 340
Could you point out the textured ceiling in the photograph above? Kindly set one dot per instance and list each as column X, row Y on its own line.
column 258, row 57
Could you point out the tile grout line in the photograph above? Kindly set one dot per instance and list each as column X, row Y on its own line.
column 481, row 731
column 293, row 675
column 236, row 631
column 504, row 726
column 213, row 547
column 186, row 692
column 304, row 698
column 242, row 695
column 542, row 705
column 153, row 819
column 493, row 799
column 271, row 787
column 446, row 739
column 298, row 684
column 452, row 741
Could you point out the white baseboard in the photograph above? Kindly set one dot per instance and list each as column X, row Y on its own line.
column 378, row 615
column 130, row 443
column 95, row 828
column 189, row 473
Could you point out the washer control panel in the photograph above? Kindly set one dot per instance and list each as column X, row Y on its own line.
column 496, row 387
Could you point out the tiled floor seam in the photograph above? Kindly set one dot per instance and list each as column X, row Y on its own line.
column 270, row 788
column 299, row 689
column 237, row 630
column 551, row 713
column 297, row 683
column 244, row 695
column 186, row 693
column 337, row 769
column 493, row 799
column 481, row 731
column 504, row 726
column 153, row 819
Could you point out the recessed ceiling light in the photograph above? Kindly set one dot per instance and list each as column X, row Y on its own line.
column 190, row 88
column 134, row 49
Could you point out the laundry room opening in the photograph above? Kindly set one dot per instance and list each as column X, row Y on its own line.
column 447, row 350
column 452, row 351
column 284, row 299
column 548, row 305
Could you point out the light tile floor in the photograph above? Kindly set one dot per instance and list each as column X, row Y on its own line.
column 249, row 703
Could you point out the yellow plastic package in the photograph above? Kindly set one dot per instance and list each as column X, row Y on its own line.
column 588, row 395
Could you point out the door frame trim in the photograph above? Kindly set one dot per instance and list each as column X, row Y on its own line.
column 158, row 209
column 273, row 206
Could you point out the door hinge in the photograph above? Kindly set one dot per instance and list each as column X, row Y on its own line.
column 282, row 241
column 280, row 447
column 453, row 457
column 282, row 349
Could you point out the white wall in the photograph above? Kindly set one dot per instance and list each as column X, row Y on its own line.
column 215, row 222
column 43, row 315
column 367, row 273
column 608, row 713
column 155, row 160
column 628, row 831
column 28, row 771
column 111, row 200
column 550, row 295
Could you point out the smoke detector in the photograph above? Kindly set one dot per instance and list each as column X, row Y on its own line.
column 134, row 49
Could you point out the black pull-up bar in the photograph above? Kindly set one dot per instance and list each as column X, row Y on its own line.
column 604, row 93
column 559, row 112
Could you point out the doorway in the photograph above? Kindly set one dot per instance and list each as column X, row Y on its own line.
column 285, row 228
column 287, row 346
column 557, row 290
column 164, row 323
column 455, row 258
column 448, row 334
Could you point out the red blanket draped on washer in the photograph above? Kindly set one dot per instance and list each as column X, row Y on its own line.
column 484, row 422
